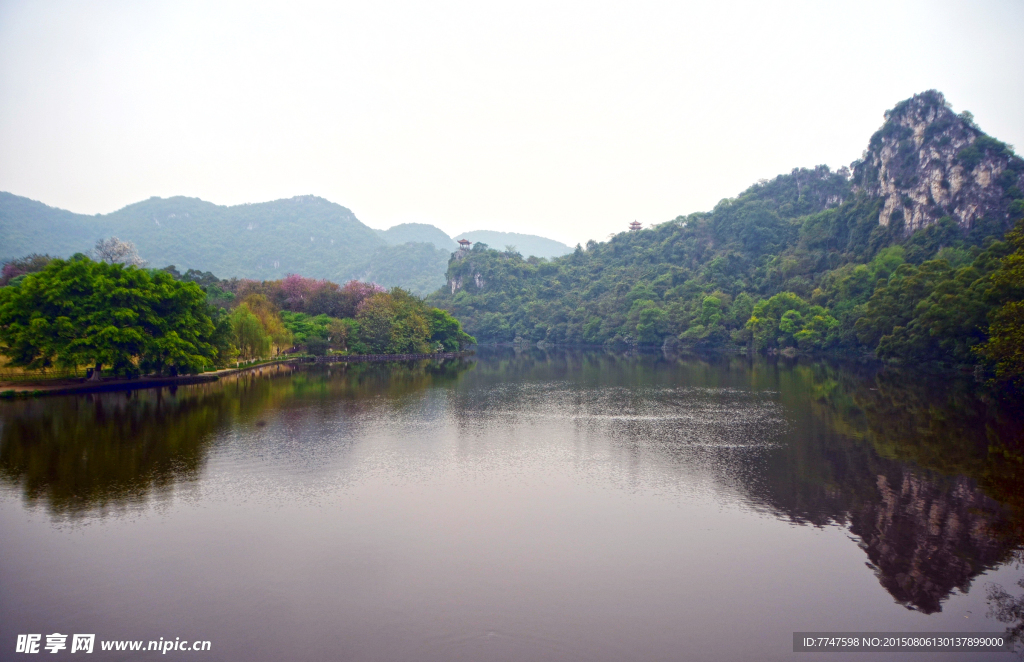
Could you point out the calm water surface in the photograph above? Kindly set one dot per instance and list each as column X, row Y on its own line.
column 524, row 505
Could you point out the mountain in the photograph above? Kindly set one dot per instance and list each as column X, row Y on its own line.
column 525, row 244
column 420, row 233
column 305, row 235
column 897, row 255
column 927, row 162
column 417, row 267
column 27, row 226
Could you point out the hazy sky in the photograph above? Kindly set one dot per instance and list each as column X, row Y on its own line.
column 565, row 120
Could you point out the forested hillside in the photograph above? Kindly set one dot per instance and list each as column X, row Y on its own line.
column 417, row 267
column 902, row 255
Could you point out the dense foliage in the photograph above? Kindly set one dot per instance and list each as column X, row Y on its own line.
column 799, row 262
column 130, row 321
column 1005, row 345
column 79, row 312
column 268, row 317
column 29, row 264
column 394, row 322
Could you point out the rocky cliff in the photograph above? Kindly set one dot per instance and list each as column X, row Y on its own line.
column 927, row 162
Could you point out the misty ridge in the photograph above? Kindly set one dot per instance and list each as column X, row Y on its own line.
column 305, row 235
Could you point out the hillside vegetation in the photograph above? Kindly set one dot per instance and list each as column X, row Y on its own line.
column 902, row 255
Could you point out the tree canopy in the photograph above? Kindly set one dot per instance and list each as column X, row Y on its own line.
column 128, row 320
column 321, row 316
column 1005, row 344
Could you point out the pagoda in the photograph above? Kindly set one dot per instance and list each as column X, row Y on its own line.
column 635, row 226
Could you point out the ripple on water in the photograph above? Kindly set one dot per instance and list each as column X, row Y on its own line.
column 685, row 441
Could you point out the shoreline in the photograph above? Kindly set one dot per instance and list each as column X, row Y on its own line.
column 363, row 358
column 31, row 389
column 36, row 389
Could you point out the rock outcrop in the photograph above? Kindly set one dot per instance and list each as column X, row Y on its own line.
column 927, row 162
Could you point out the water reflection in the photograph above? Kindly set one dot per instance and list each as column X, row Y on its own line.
column 101, row 453
column 1005, row 607
column 928, row 476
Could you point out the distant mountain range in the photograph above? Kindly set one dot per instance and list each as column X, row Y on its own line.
column 419, row 233
column 525, row 244
column 306, row 235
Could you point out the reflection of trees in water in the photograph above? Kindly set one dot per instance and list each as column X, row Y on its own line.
column 103, row 451
column 927, row 472
column 1008, row 608
column 94, row 453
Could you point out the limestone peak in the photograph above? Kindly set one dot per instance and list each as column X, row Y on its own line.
column 927, row 162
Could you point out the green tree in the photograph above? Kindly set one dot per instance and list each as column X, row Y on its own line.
column 270, row 317
column 340, row 331
column 786, row 320
column 376, row 319
column 250, row 337
column 651, row 323
column 711, row 311
column 447, row 330
column 79, row 312
column 1005, row 346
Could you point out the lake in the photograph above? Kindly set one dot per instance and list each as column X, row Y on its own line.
column 514, row 505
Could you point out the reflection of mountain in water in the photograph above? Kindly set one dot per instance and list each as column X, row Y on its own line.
column 926, row 473
column 924, row 533
column 929, row 476
column 926, row 538
column 95, row 453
